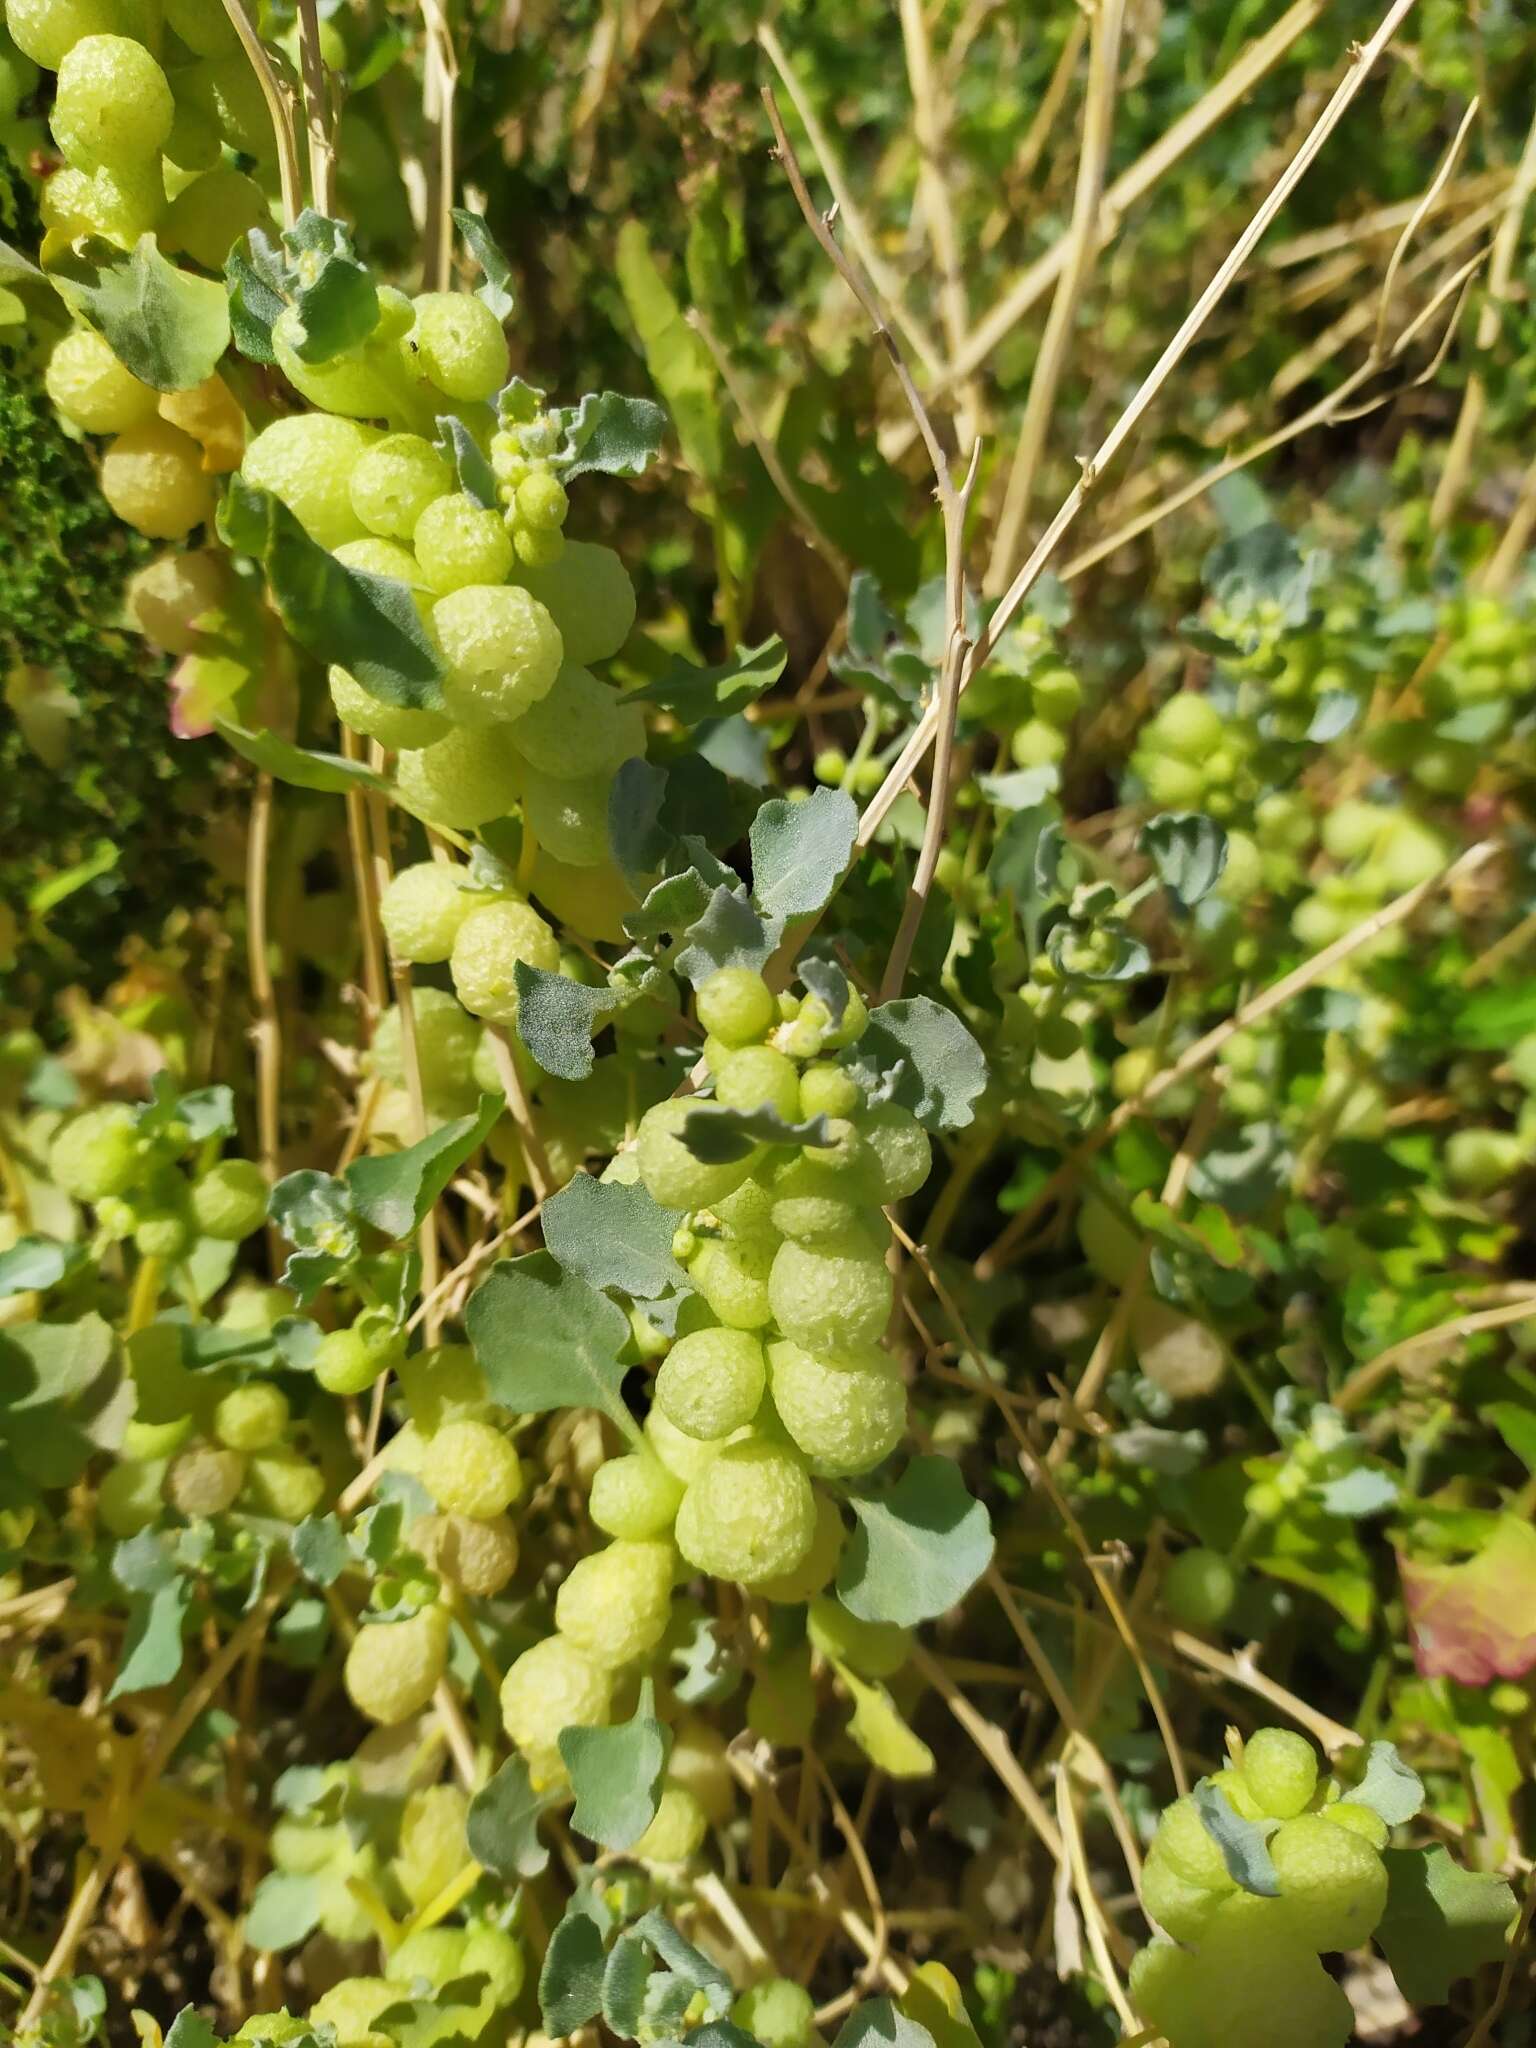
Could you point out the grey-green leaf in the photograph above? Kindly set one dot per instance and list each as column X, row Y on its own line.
column 1390, row 1787
column 612, row 434
column 299, row 766
column 545, row 1339
column 495, row 288
column 799, row 851
column 1441, row 1922
column 36, row 1264
column 571, row 1980
column 284, row 1909
column 556, row 1017
column 503, row 1825
column 694, row 694
column 613, row 1236
column 168, row 326
column 395, row 1191
column 918, row 1548
column 616, row 1773
column 718, row 1135
column 1189, row 852
column 320, row 1551
column 917, row 1053
column 1244, row 1844
column 368, row 624
column 728, row 933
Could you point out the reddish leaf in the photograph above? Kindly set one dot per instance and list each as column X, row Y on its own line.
column 1475, row 1622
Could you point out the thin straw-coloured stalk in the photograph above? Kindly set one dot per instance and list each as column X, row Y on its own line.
column 885, row 280
column 932, row 184
column 266, row 1029
column 317, row 118
column 1363, row 61
column 1190, row 129
column 1082, row 245
column 289, row 181
column 440, row 85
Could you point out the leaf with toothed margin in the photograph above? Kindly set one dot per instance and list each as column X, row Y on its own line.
column 545, row 1339
column 495, row 287
column 799, row 851
column 556, row 1017
column 476, row 479
column 730, row 933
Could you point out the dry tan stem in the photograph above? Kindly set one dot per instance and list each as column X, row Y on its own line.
column 266, row 1029
column 929, row 127
column 1088, row 1902
column 766, row 1800
column 1425, row 207
column 1241, row 1670
column 886, row 282
column 289, row 182
column 317, row 121
column 534, row 1155
column 1204, row 1050
column 1365, row 1379
column 995, row 1747
column 1501, row 271
column 1083, row 242
column 363, row 883
column 1134, row 184
column 1363, row 60
column 440, row 84
column 157, row 1754
column 1039, row 131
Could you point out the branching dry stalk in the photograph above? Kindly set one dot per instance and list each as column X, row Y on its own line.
column 954, row 503
column 886, row 282
column 1190, row 129
column 440, row 85
column 1363, row 61
column 1501, row 271
column 1083, row 242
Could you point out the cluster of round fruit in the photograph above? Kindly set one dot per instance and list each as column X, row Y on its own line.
column 775, row 1376
column 1242, row 1965
column 1487, row 668
column 415, row 1854
column 151, row 1180
column 1189, row 757
column 204, row 1443
column 534, row 497
column 166, row 448
column 150, row 96
column 525, row 726
column 469, row 1545
column 1381, row 850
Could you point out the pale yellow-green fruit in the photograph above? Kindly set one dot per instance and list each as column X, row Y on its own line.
column 393, row 1668
column 92, row 389
column 749, row 1515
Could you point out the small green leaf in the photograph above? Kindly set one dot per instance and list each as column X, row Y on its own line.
column 614, row 1236
column 637, row 838
column 881, row 1732
column 396, row 1190
column 34, row 1264
column 611, row 434
column 556, row 1017
column 728, row 933
column 1189, row 852
column 335, row 297
column 301, row 768
column 878, row 2024
column 366, row 623
column 320, row 1551
column 918, row 1548
column 168, row 326
column 718, row 1135
column 253, row 283
column 1390, row 1787
column 616, row 1773
column 189, row 2030
column 571, row 1980
column 694, row 694
column 1244, row 1844
column 799, row 851
column 152, row 1644
column 545, row 1339
column 476, row 478
column 284, row 1910
column 1442, row 1922
column 918, row 1054
column 495, row 290
column 503, row 1825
